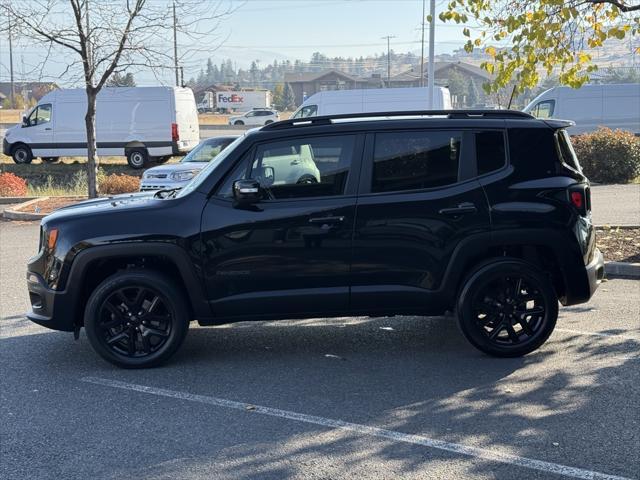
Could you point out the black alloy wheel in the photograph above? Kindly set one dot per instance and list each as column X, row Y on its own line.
column 508, row 308
column 136, row 319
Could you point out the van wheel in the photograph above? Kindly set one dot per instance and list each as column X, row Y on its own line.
column 136, row 319
column 238, row 122
column 507, row 308
column 307, row 179
column 21, row 154
column 137, row 158
column 50, row 159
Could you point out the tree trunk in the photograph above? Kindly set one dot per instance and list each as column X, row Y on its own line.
column 92, row 150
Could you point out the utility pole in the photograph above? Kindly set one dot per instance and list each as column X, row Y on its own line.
column 175, row 45
column 388, row 38
column 432, row 37
column 422, row 48
column 13, row 94
column 181, row 76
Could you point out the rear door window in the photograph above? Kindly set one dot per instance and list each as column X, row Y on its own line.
column 415, row 160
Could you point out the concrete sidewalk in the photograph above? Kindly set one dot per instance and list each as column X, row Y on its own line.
column 616, row 204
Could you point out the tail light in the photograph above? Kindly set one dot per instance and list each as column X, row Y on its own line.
column 579, row 198
column 175, row 134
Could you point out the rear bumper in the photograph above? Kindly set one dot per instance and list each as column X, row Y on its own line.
column 595, row 271
column 49, row 308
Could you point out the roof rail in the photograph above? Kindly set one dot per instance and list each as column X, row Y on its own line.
column 327, row 119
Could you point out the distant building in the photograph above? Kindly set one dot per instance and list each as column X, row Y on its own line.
column 28, row 90
column 306, row 84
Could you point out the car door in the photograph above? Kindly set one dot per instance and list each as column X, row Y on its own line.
column 290, row 254
column 39, row 130
column 418, row 199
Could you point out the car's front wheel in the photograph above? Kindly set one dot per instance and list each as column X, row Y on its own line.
column 238, row 122
column 136, row 319
column 507, row 308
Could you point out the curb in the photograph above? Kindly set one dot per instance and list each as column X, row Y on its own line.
column 615, row 227
column 6, row 200
column 11, row 214
column 622, row 269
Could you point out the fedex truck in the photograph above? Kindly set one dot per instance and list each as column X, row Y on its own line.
column 239, row 101
column 141, row 123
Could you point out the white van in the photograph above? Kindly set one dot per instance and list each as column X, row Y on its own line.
column 591, row 106
column 139, row 122
column 335, row 102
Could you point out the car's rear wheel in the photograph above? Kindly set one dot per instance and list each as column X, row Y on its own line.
column 137, row 158
column 21, row 154
column 507, row 308
column 306, row 178
column 238, row 122
column 136, row 319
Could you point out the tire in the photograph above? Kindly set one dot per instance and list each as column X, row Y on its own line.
column 50, row 159
column 238, row 122
column 307, row 179
column 128, row 340
column 161, row 160
column 137, row 158
column 507, row 308
column 21, row 154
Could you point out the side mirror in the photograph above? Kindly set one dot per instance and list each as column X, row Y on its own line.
column 25, row 122
column 246, row 192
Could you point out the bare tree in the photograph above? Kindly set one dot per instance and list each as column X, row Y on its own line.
column 97, row 38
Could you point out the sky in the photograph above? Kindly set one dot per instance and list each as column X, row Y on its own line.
column 265, row 30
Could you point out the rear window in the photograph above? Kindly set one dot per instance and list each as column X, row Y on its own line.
column 490, row 151
column 415, row 160
column 566, row 151
column 532, row 152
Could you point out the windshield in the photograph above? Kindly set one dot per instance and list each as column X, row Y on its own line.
column 204, row 173
column 207, row 150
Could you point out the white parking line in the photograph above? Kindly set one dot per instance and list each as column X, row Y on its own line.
column 597, row 334
column 485, row 454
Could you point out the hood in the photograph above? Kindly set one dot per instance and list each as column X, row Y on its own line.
column 105, row 204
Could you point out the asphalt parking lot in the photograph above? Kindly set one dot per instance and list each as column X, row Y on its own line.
column 402, row 397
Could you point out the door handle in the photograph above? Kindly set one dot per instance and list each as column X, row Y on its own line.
column 462, row 209
column 48, row 128
column 339, row 219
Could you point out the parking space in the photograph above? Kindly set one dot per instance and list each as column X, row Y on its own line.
column 401, row 397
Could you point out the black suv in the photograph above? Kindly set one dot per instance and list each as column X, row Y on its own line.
column 484, row 213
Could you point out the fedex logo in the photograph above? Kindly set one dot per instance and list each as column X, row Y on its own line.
column 233, row 98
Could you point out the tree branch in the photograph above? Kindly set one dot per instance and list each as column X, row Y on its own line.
column 622, row 6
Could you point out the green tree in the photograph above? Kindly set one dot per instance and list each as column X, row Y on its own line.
column 458, row 85
column 474, row 95
column 543, row 36
column 278, row 96
column 288, row 98
column 118, row 80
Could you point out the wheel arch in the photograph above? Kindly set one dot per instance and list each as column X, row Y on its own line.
column 91, row 266
column 547, row 249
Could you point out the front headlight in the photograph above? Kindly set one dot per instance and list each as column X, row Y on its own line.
column 184, row 175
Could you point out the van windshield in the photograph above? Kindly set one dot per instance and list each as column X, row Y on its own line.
column 306, row 111
column 206, row 171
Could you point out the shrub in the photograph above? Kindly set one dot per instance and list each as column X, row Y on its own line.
column 609, row 156
column 114, row 184
column 12, row 186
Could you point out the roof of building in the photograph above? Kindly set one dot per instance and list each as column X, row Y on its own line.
column 312, row 76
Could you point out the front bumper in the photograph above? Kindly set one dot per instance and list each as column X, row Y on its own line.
column 6, row 148
column 50, row 308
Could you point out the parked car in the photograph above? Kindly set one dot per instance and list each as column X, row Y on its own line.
column 257, row 116
column 141, row 123
column 178, row 175
column 591, row 107
column 336, row 102
column 485, row 213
